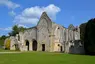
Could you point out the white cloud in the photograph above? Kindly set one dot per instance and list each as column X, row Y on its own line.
column 20, row 25
column 6, row 29
column 9, row 4
column 12, row 13
column 32, row 15
column 25, row 20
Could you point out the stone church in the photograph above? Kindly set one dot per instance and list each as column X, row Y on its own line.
column 48, row 36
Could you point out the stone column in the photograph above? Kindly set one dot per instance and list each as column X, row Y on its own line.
column 51, row 42
column 30, row 46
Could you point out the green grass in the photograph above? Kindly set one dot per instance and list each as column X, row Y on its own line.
column 3, row 50
column 45, row 58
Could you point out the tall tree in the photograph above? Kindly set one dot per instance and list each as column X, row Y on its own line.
column 16, row 29
column 82, row 31
column 89, row 38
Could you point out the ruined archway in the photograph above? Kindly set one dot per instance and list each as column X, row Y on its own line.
column 27, row 44
column 34, row 45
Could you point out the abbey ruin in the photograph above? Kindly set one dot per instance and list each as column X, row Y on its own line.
column 48, row 36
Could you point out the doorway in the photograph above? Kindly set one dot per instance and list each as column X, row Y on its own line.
column 43, row 47
column 34, row 45
column 61, row 49
column 27, row 44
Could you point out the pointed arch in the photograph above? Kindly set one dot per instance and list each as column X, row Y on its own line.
column 27, row 44
column 34, row 45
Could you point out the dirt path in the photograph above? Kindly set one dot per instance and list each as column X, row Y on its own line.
column 8, row 52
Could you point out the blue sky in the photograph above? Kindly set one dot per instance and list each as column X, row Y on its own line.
column 27, row 12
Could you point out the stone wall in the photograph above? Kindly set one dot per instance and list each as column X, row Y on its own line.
column 28, row 35
column 44, row 33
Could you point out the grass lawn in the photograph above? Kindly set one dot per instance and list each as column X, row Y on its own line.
column 45, row 58
column 3, row 50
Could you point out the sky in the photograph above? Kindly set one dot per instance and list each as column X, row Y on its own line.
column 26, row 13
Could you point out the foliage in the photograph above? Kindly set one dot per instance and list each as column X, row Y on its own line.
column 2, row 39
column 7, row 44
column 2, row 42
column 82, row 31
column 16, row 29
column 71, row 27
column 89, row 38
column 22, row 29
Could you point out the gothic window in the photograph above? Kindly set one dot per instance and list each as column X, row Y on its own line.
column 58, row 45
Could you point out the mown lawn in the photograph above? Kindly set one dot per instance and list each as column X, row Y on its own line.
column 3, row 50
column 45, row 58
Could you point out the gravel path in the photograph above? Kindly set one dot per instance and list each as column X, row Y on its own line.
column 8, row 52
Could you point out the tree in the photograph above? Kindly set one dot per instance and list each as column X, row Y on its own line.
column 22, row 29
column 71, row 27
column 82, row 31
column 89, row 37
column 2, row 39
column 16, row 29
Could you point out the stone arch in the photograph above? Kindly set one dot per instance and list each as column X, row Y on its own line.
column 34, row 45
column 60, row 48
column 27, row 44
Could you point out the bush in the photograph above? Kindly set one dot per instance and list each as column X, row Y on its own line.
column 1, row 42
column 7, row 44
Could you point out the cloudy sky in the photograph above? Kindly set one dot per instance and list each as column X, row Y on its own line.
column 27, row 12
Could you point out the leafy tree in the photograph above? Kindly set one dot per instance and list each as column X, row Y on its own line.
column 1, row 42
column 82, row 31
column 89, row 37
column 71, row 27
column 2, row 39
column 22, row 29
column 16, row 29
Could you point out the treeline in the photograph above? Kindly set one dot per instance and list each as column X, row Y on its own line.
column 87, row 34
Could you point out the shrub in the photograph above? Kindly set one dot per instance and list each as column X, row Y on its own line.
column 7, row 44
